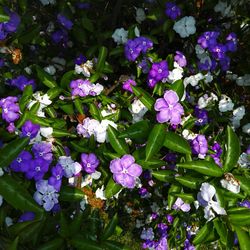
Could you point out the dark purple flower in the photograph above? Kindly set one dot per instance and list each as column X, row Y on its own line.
column 231, row 42
column 22, row 162
column 127, row 85
column 225, row 63
column 172, row 10
column 80, row 59
column 169, row 108
column 158, row 72
column 3, row 33
column 199, row 145
column 80, row 87
column 144, row 43
column 13, row 23
column 143, row 192
column 162, row 229
column 144, row 66
column 30, row 129
column 56, row 179
column 208, row 39
column 37, row 169
column 27, row 216
column 202, row 116
column 1, row 59
column 60, row 36
column 21, row 82
column 188, row 245
column 218, row 51
column 10, row 109
column 170, row 218
column 89, row 162
column 245, row 203
column 83, row 6
column 125, row 171
column 180, row 59
column 43, row 150
column 64, row 21
column 45, row 195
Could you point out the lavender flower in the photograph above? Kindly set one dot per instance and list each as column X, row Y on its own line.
column 231, row 42
column 181, row 205
column 56, row 179
column 22, row 162
column 127, row 85
column 158, row 72
column 199, row 145
column 45, row 195
column 89, row 162
column 21, row 82
column 208, row 39
column 27, row 216
column 43, row 150
column 30, row 129
column 70, row 167
column 37, row 169
column 172, row 10
column 180, row 59
column 64, row 21
column 147, row 234
column 125, row 171
column 10, row 109
column 169, row 108
column 245, row 203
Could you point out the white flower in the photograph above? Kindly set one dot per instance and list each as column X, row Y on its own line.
column 1, row 200
column 88, row 127
column 176, row 73
column 120, row 36
column 137, row 31
column 243, row 80
column 188, row 135
column 208, row 77
column 59, row 63
column 50, row 69
column 139, row 223
column 225, row 104
column 199, row 50
column 147, row 234
column 246, row 128
column 8, row 221
column 193, row 80
column 86, row 181
column 206, row 100
column 230, row 183
column 1, row 172
column 138, row 110
column 223, row 9
column 205, row 198
column 100, row 194
column 185, row 26
column 101, row 130
column 140, row 15
column 239, row 112
column 96, row 88
column 85, row 68
column 28, row 70
column 244, row 160
column 109, row 111
column 46, row 132
column 70, row 168
column 83, row 203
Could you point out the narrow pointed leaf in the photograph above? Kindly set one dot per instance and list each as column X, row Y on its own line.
column 243, row 238
column 54, row 244
column 144, row 97
column 112, row 188
column 110, row 228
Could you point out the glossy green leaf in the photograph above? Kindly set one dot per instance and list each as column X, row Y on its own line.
column 203, row 233
column 151, row 164
column 110, row 228
column 103, row 52
column 71, row 194
column 176, row 143
column 243, row 238
column 45, row 78
column 78, row 105
column 244, row 183
column 118, row 144
column 178, row 87
column 189, row 198
column 189, row 181
column 61, row 133
column 221, row 229
column 14, row 244
column 16, row 195
column 54, row 92
column 155, row 140
column 54, row 244
column 26, row 97
column 94, row 111
column 112, row 188
column 83, row 244
column 232, row 150
column 240, row 218
column 164, row 175
column 144, row 97
column 66, row 79
column 112, row 245
column 203, row 167
column 11, row 150
column 174, row 188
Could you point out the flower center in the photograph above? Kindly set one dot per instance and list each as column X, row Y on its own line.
column 28, row 134
column 41, row 154
column 159, row 70
column 38, row 169
column 58, row 177
column 88, row 165
column 5, row 110
column 19, row 159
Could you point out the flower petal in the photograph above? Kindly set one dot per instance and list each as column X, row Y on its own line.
column 135, row 170
column 160, row 104
column 171, row 97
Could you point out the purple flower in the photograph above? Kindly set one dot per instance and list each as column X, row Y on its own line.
column 45, row 195
column 170, row 218
column 188, row 245
column 22, row 162
column 172, row 10
column 127, row 85
column 144, row 43
column 21, row 82
column 218, row 51
column 70, row 167
column 180, row 59
column 231, row 42
column 162, row 229
column 3, row 33
column 64, row 21
column 208, row 39
column 37, row 169
column 161, row 244
column 80, row 87
column 56, row 179
column 143, row 192
column 60, row 36
column 10, row 109
column 199, row 145
column 125, row 171
column 181, row 205
column 80, row 59
column 245, row 203
column 202, row 116
column 225, row 63
column 1, row 59
column 13, row 23
column 169, row 108
column 147, row 234
column 144, row 66
column 43, row 150
column 30, row 129
column 158, row 72
column 89, row 162
column 27, row 216
column 11, row 127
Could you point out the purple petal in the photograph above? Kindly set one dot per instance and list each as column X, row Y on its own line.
column 171, row 97
column 135, row 170
column 163, row 116
column 127, row 161
column 115, row 166
column 160, row 104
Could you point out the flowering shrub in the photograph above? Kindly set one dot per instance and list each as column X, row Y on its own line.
column 124, row 125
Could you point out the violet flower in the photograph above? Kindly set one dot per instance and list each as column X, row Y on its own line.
column 172, row 10
column 10, row 109
column 30, row 129
column 180, row 59
column 21, row 82
column 169, row 108
column 70, row 167
column 208, row 39
column 89, row 162
column 125, row 171
column 56, row 179
column 43, row 150
column 199, row 145
column 64, row 21
column 46, row 195
column 127, row 85
column 22, row 162
column 37, row 169
column 27, row 216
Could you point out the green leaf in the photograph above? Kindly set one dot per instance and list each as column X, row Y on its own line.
column 189, row 198
column 112, row 188
column 17, row 196
column 244, row 183
column 202, row 235
column 101, row 58
column 155, row 140
column 174, row 188
column 144, row 97
column 243, row 238
column 61, row 133
column 54, row 244
column 164, row 175
column 112, row 245
column 26, row 96
column 71, row 194
column 137, row 130
column 84, row 244
column 189, row 181
column 45, row 78
column 94, row 111
column 75, row 226
column 178, row 87
column 221, row 230
column 151, row 164
column 64, row 228
column 11, row 150
column 4, row 18
column 204, row 167
column 176, row 143
column 110, row 228
column 78, row 105
column 240, row 218
column 66, row 79
column 14, row 244
column 119, row 145
column 232, row 150
column 54, row 92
